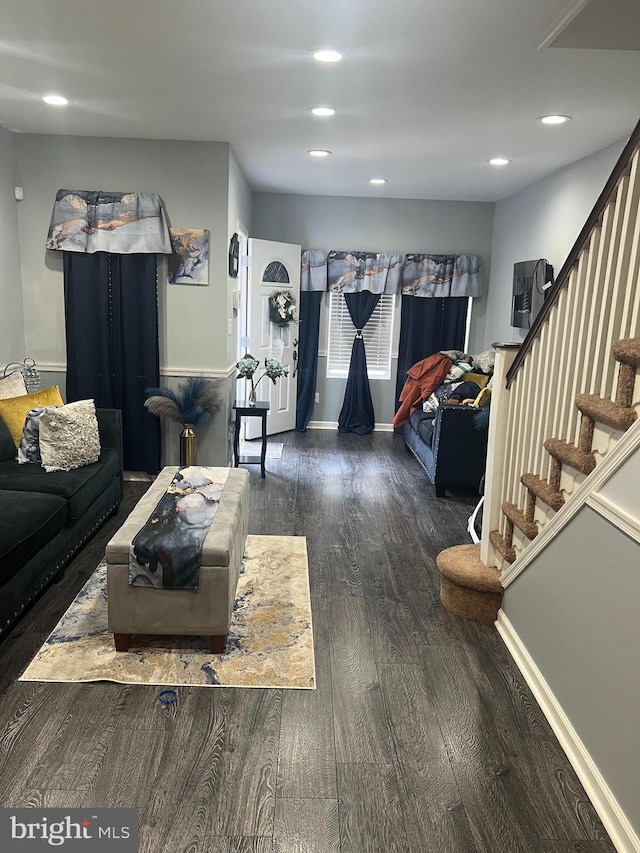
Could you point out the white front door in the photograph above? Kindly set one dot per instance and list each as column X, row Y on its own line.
column 273, row 267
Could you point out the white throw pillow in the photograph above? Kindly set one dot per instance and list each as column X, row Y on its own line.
column 69, row 436
column 12, row 386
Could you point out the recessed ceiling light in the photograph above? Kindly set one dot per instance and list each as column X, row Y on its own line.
column 327, row 55
column 55, row 100
column 377, row 180
column 554, row 119
column 319, row 152
column 323, row 111
column 499, row 161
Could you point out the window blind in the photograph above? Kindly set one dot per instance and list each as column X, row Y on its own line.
column 377, row 337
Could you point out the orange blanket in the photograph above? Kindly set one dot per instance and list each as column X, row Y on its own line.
column 422, row 380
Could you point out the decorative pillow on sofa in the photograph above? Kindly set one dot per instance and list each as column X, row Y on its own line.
column 69, row 436
column 29, row 447
column 457, row 371
column 7, row 447
column 480, row 379
column 485, row 361
column 14, row 410
column 12, row 386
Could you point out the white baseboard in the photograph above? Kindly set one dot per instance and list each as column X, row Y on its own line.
column 621, row 832
column 334, row 425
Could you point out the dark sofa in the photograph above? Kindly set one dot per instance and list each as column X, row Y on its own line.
column 451, row 447
column 46, row 517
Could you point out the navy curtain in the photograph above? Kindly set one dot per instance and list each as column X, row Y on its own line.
column 357, row 414
column 426, row 327
column 309, row 334
column 111, row 317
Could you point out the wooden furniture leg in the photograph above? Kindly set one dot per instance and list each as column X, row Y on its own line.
column 122, row 642
column 217, row 644
column 263, row 452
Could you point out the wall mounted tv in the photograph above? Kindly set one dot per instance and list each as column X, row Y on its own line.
column 531, row 281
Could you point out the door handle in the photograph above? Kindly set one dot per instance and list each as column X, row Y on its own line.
column 294, row 356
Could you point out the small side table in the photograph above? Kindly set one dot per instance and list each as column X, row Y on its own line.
column 245, row 409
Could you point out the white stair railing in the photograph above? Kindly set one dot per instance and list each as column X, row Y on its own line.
column 594, row 303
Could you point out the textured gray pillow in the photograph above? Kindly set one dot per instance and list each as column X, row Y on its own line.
column 12, row 386
column 485, row 361
column 69, row 436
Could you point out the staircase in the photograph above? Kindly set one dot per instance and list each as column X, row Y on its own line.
column 563, row 400
column 617, row 414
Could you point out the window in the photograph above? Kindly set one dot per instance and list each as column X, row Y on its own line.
column 377, row 337
column 276, row 273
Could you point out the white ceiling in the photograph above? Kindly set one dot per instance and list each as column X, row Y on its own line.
column 428, row 92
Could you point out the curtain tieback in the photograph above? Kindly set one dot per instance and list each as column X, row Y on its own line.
column 358, row 333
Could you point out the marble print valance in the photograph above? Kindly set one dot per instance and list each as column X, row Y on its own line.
column 313, row 270
column 442, row 275
column 351, row 272
column 97, row 221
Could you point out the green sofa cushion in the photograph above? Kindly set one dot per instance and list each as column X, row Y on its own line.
column 27, row 523
column 80, row 487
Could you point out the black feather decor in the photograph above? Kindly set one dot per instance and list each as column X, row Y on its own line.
column 195, row 402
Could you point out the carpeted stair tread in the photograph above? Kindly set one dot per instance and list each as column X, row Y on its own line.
column 462, row 565
column 570, row 455
column 627, row 351
column 606, row 411
column 506, row 551
column 515, row 514
column 468, row 588
column 541, row 489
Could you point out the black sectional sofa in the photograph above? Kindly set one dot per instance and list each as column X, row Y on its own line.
column 451, row 447
column 46, row 517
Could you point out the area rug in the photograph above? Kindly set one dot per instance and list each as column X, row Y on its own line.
column 270, row 643
column 254, row 449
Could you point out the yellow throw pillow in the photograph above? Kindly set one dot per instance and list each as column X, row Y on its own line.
column 14, row 410
column 480, row 379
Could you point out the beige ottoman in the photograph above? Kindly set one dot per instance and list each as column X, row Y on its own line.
column 205, row 611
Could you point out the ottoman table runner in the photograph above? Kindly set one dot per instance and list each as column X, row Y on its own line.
column 166, row 553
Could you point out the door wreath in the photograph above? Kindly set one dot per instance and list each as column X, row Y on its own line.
column 282, row 308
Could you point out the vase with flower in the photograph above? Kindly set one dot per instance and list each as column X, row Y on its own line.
column 195, row 402
column 249, row 364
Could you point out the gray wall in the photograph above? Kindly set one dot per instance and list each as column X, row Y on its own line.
column 191, row 177
column 12, row 343
column 576, row 611
column 541, row 221
column 202, row 186
column 383, row 225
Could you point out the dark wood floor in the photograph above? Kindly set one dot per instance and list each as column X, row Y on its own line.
column 422, row 735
